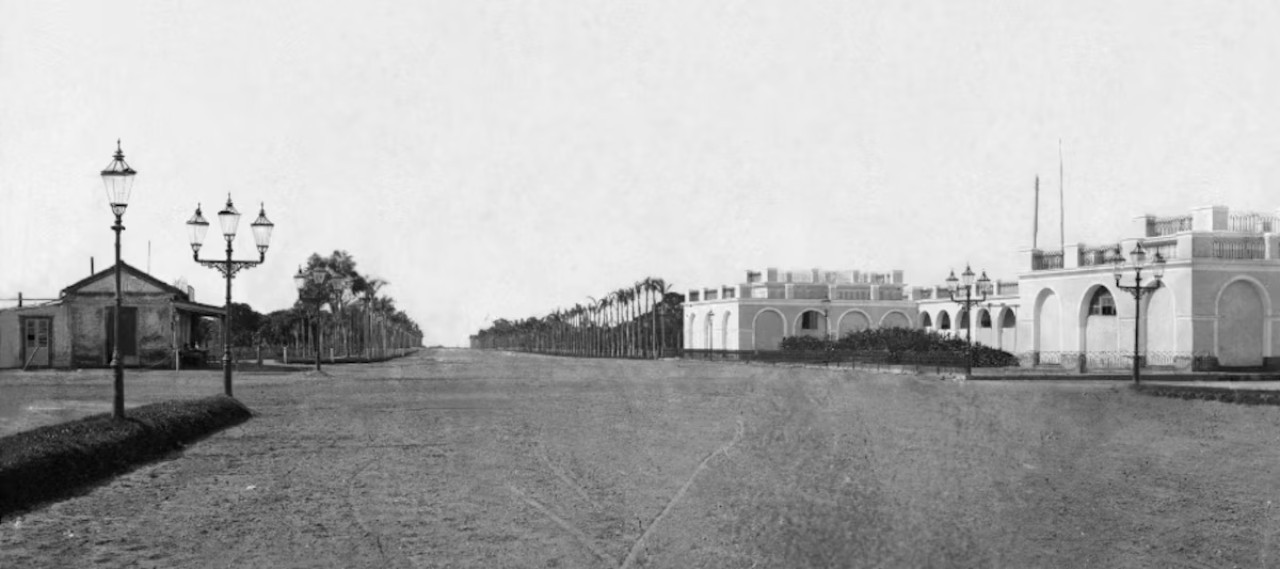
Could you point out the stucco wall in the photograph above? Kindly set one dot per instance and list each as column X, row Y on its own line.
column 760, row 324
column 11, row 335
column 88, row 321
column 1240, row 320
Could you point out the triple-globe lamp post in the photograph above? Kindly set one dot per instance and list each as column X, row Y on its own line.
column 229, row 219
column 118, row 180
column 1138, row 262
column 968, row 302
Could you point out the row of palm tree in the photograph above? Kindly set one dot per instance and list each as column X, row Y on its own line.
column 637, row 321
column 350, row 314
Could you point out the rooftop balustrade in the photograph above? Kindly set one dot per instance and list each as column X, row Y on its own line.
column 1211, row 232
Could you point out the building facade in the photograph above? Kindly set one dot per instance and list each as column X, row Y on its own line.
column 1215, row 308
column 771, row 305
column 994, row 322
column 77, row 329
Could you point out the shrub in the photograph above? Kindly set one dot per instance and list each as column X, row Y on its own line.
column 804, row 344
column 1204, row 393
column 900, row 344
column 49, row 462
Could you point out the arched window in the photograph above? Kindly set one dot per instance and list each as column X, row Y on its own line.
column 964, row 320
column 984, row 319
column 809, row 320
column 944, row 321
column 925, row 322
column 1009, row 320
column 1102, row 303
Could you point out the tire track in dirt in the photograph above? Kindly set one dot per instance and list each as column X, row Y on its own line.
column 355, row 512
column 573, row 485
column 573, row 530
column 724, row 449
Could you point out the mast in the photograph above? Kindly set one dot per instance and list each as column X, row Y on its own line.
column 1035, row 218
column 1062, row 213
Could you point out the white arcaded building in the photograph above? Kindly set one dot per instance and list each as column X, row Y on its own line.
column 771, row 304
column 1216, row 309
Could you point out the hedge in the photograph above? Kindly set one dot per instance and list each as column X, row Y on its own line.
column 903, row 344
column 1223, row 394
column 51, row 462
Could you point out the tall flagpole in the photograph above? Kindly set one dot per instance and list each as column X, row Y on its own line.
column 1062, row 213
column 1035, row 219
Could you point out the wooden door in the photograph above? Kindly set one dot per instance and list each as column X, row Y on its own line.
column 36, row 341
column 128, row 332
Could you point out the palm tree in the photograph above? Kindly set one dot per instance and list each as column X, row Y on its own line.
column 367, row 289
column 661, row 287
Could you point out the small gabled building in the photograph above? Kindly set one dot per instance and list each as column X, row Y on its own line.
column 77, row 329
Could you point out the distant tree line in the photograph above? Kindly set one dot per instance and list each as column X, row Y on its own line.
column 642, row 320
column 349, row 312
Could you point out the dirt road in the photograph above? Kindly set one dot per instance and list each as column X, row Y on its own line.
column 463, row 459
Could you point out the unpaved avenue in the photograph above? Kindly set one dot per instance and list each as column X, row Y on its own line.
column 440, row 461
column 462, row 459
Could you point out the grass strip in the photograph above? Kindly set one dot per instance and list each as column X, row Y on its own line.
column 1206, row 393
column 52, row 461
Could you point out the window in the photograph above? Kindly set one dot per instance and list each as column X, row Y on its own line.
column 984, row 319
column 809, row 321
column 1102, row 303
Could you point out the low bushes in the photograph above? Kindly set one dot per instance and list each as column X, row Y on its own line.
column 1223, row 394
column 903, row 344
column 48, row 462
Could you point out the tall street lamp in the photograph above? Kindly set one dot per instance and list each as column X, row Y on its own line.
column 118, row 180
column 968, row 302
column 229, row 218
column 316, row 294
column 1138, row 261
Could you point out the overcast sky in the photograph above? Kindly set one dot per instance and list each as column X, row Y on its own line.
column 501, row 159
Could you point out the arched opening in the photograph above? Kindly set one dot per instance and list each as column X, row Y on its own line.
column 944, row 321
column 1101, row 332
column 1008, row 331
column 983, row 333
column 925, row 321
column 724, row 333
column 767, row 330
column 895, row 319
column 811, row 323
column 710, row 331
column 853, row 321
column 1241, row 321
column 1047, row 333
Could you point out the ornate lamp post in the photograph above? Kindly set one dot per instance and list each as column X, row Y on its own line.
column 319, row 277
column 968, row 302
column 1138, row 261
column 300, row 280
column 118, row 180
column 229, row 218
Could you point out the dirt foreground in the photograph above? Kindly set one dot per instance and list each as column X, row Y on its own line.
column 455, row 458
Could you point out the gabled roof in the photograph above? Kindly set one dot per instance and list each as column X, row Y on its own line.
column 109, row 272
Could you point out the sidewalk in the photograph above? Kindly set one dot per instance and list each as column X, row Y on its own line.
column 1250, row 380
